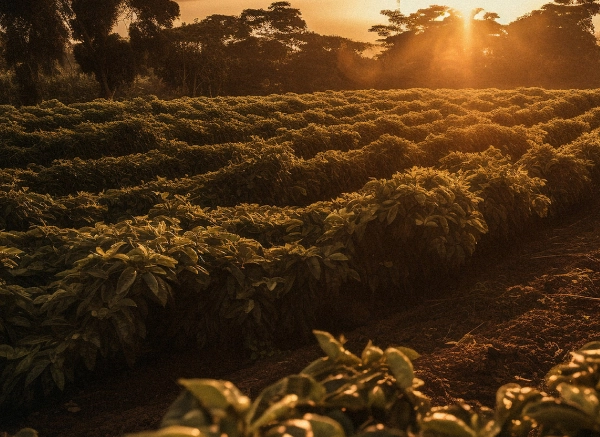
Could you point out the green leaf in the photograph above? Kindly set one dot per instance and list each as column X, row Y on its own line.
column 249, row 306
column 186, row 410
column 314, row 266
column 163, row 291
column 6, row 351
column 584, row 398
column 337, row 257
column 332, row 348
column 216, row 394
column 371, row 354
column 170, row 431
column 151, row 282
column 112, row 251
column 27, row 432
column 36, row 371
column 58, row 375
column 401, row 367
column 26, row 362
column 391, row 214
column 447, row 425
column 554, row 414
column 275, row 411
column 126, row 280
column 237, row 274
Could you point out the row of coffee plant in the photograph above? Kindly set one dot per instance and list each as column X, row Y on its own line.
column 251, row 173
column 109, row 275
column 71, row 297
column 174, row 159
column 92, row 130
column 377, row 394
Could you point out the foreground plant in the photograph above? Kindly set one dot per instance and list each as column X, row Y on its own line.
column 338, row 395
column 375, row 395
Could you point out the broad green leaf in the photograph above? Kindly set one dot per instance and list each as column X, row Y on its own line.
column 249, row 306
column 510, row 401
column 6, row 351
column 291, row 428
column 58, row 375
column 25, row 363
column 237, row 274
column 554, row 414
column 376, row 397
column 584, row 398
column 392, row 213
column 27, row 432
column 170, row 431
column 447, row 425
column 314, row 266
column 337, row 257
column 36, row 371
column 126, row 280
column 381, row 431
column 589, row 352
column 323, row 426
column 186, row 410
column 317, row 367
column 411, row 354
column 112, row 251
column 275, row 411
column 163, row 291
column 216, row 394
column 401, row 367
column 332, row 348
column 371, row 354
column 151, row 282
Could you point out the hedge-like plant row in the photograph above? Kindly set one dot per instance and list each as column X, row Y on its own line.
column 242, row 174
column 70, row 296
column 175, row 159
column 377, row 394
column 77, row 288
column 313, row 122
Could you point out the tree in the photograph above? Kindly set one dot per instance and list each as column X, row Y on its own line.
column 435, row 47
column 326, row 63
column 553, row 47
column 198, row 58
column 35, row 38
column 104, row 53
column 232, row 55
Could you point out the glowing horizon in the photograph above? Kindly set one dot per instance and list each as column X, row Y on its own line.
column 353, row 18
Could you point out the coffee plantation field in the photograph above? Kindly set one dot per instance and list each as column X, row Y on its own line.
column 130, row 226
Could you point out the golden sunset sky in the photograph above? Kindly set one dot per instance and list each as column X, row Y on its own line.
column 353, row 18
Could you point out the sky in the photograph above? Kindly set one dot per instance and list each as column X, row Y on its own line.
column 353, row 18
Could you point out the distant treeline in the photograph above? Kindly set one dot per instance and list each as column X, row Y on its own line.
column 263, row 51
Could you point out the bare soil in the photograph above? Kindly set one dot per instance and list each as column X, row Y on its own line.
column 511, row 315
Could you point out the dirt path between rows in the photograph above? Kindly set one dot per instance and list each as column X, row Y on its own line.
column 510, row 317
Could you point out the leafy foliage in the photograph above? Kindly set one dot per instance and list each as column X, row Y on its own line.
column 377, row 394
column 250, row 220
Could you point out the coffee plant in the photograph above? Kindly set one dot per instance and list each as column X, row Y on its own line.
column 127, row 226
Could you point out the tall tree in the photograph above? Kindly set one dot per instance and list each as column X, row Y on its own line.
column 435, row 47
column 326, row 63
column 553, row 47
column 233, row 55
column 104, row 53
column 198, row 58
column 35, row 38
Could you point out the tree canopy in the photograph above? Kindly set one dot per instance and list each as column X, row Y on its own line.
column 271, row 50
column 37, row 33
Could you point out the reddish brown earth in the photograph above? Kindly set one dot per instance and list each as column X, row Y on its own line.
column 510, row 317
